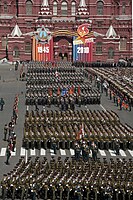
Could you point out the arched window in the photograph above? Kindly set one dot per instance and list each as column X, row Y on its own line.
column 100, row 8
column 27, row 47
column 55, row 8
column 64, row 8
column 123, row 8
column 99, row 48
column 3, row 42
column 28, row 7
column 123, row 43
column 16, row 52
column 5, row 8
column 110, row 53
column 73, row 8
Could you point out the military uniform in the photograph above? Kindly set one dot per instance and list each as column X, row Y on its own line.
column 8, row 155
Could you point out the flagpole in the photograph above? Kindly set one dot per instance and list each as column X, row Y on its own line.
column 82, row 130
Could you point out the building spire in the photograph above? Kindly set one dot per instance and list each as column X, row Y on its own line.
column 16, row 31
column 111, row 32
column 82, row 3
column 45, row 3
column 45, row 13
column 82, row 13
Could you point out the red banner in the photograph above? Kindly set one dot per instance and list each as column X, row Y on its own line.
column 83, row 52
column 44, row 51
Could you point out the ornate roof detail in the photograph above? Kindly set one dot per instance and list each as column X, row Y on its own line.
column 111, row 32
column 16, row 31
column 45, row 3
column 82, row 9
column 45, row 11
column 82, row 3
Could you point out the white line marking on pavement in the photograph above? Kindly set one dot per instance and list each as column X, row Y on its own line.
column 3, row 152
column 102, row 107
column 62, row 152
column 122, row 153
column 112, row 153
column 43, row 108
column 43, row 152
column 13, row 153
column 72, row 152
column 52, row 152
column 32, row 152
column 131, row 152
column 102, row 152
column 22, row 152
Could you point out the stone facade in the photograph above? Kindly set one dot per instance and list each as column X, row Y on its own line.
column 110, row 18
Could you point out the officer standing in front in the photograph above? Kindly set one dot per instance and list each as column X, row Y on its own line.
column 117, row 147
column 77, row 152
column 94, row 151
column 8, row 155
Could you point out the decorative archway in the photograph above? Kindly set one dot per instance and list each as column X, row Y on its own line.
column 63, row 52
column 60, row 56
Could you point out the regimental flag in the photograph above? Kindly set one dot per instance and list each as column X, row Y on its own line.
column 58, row 91
column 81, row 133
column 71, row 91
column 79, row 90
column 64, row 92
column 72, row 88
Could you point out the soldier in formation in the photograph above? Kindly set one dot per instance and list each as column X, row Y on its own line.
column 5, row 132
column 43, row 88
column 103, row 128
column 119, row 84
column 69, row 179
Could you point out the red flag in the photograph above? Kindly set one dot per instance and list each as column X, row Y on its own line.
column 70, row 91
column 80, row 134
column 79, row 90
column 72, row 88
column 58, row 91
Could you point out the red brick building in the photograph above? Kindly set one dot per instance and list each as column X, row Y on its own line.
column 111, row 18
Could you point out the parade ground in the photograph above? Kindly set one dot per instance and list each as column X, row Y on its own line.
column 10, row 85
